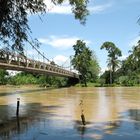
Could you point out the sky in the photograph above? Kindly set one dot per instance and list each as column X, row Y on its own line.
column 109, row 20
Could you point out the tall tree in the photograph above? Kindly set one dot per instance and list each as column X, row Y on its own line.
column 83, row 61
column 113, row 54
column 14, row 26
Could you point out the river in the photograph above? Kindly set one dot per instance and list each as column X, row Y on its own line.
column 110, row 113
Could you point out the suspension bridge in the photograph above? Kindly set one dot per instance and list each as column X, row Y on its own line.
column 11, row 60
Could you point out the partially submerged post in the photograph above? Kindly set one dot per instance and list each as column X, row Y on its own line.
column 18, row 124
column 82, row 114
column 18, row 103
column 83, row 119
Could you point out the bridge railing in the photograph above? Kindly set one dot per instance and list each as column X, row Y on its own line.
column 12, row 61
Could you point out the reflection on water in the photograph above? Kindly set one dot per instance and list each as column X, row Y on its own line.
column 111, row 114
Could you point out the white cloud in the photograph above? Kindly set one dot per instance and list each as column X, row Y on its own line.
column 134, row 42
column 123, row 57
column 65, row 8
column 61, row 10
column 64, row 61
column 63, row 42
column 61, row 60
column 99, row 8
column 31, row 52
column 103, row 70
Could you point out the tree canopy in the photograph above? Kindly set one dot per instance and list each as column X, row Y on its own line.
column 14, row 28
column 129, row 72
column 113, row 54
column 84, row 61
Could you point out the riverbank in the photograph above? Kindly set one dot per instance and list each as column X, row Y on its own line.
column 106, row 85
column 37, row 86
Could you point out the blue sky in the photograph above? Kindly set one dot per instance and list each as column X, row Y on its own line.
column 109, row 20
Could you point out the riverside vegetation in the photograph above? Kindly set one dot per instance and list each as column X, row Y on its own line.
column 120, row 72
column 15, row 31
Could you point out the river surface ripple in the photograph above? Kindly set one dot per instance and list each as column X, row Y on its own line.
column 110, row 113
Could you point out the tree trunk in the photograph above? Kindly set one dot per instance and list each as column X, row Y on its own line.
column 85, row 81
column 110, row 77
column 113, row 71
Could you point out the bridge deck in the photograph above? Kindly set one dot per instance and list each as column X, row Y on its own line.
column 12, row 61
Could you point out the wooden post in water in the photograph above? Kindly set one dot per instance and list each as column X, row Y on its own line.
column 83, row 119
column 18, row 103
column 82, row 114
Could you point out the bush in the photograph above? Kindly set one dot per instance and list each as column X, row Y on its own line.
column 127, row 80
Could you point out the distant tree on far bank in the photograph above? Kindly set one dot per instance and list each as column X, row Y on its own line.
column 94, row 69
column 85, row 62
column 129, row 72
column 113, row 61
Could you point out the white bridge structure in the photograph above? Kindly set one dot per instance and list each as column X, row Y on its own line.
column 9, row 60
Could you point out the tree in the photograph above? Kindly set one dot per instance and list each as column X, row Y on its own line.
column 113, row 54
column 136, row 56
column 3, row 74
column 94, row 69
column 105, row 77
column 83, row 61
column 131, row 66
column 132, row 63
column 14, row 28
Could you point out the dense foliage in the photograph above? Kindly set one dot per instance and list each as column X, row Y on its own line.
column 85, row 62
column 3, row 77
column 128, row 74
column 14, row 28
column 113, row 61
column 24, row 78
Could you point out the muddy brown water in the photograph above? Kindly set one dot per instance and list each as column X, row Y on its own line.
column 110, row 113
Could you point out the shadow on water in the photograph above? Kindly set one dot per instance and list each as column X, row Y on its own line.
column 34, row 123
column 126, row 127
column 112, row 130
column 97, row 131
column 78, row 125
column 135, row 116
column 12, row 126
column 117, row 130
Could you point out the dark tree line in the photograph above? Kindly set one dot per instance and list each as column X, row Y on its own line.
column 24, row 78
column 85, row 62
column 125, row 72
